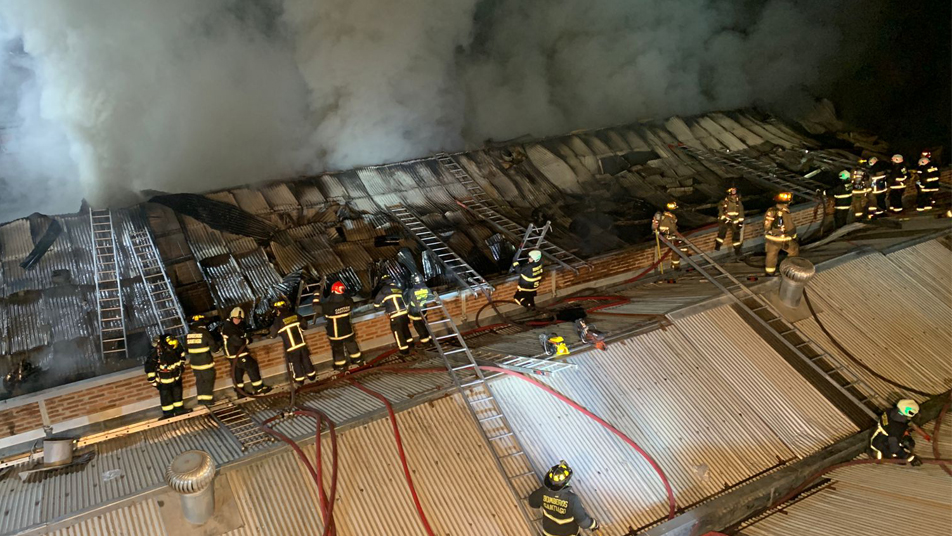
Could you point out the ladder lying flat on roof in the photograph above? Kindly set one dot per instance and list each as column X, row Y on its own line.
column 532, row 365
column 482, row 205
column 164, row 303
column 467, row 277
column 112, row 322
column 813, row 355
column 510, row 456
column 234, row 420
column 829, row 161
column 767, row 174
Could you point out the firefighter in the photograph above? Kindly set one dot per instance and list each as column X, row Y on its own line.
column 891, row 439
column 730, row 215
column 163, row 369
column 291, row 328
column 897, row 183
column 530, row 279
column 666, row 223
column 337, row 310
column 878, row 187
column 200, row 344
column 236, row 340
column 927, row 182
column 842, row 199
column 562, row 511
column 390, row 297
column 780, row 233
column 416, row 298
column 860, row 195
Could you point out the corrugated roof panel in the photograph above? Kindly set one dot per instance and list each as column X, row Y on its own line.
column 757, row 128
column 204, row 241
column 224, row 196
column 308, row 194
column 854, row 504
column 330, row 187
column 280, row 198
column 554, row 168
column 654, row 388
column 929, row 264
column 781, row 137
column 140, row 518
column 722, row 135
column 29, row 325
column 16, row 242
column 251, row 201
column 803, row 417
column 22, row 504
column 377, row 181
column 736, row 129
column 868, row 318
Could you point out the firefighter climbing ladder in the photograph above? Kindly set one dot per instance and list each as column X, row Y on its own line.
column 832, row 369
column 463, row 272
column 480, row 204
column 112, row 323
column 767, row 174
column 161, row 295
column 510, row 457
column 235, row 421
column 533, row 239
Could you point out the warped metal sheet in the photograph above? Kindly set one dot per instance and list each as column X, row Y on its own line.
column 653, row 388
column 280, row 198
column 854, row 503
column 16, row 242
column 554, row 168
column 736, row 129
column 205, row 241
column 377, row 180
column 308, row 193
column 29, row 326
column 331, row 188
column 722, row 135
column 224, row 196
column 759, row 129
column 869, row 317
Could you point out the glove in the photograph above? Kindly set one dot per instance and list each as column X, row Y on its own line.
column 908, row 443
column 915, row 461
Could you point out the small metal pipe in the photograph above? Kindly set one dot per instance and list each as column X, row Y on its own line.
column 192, row 475
column 795, row 273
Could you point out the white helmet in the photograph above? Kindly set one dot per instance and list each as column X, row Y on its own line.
column 908, row 407
column 237, row 312
column 923, row 161
column 535, row 255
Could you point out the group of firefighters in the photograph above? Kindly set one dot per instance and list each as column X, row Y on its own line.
column 868, row 191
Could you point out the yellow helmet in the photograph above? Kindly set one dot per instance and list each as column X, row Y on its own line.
column 672, row 205
column 783, row 197
column 171, row 341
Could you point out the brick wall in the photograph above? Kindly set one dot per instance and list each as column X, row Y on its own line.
column 107, row 400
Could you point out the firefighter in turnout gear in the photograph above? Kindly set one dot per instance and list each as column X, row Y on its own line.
column 291, row 328
column 236, row 340
column 860, row 199
column 337, row 309
column 891, row 439
column 530, row 278
column 200, row 344
column 897, row 183
column 878, row 187
column 163, row 369
column 780, row 233
column 562, row 511
column 927, row 182
column 666, row 223
column 842, row 199
column 416, row 298
column 730, row 215
column 390, row 297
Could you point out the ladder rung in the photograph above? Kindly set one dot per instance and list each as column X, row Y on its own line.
column 500, row 436
column 494, row 417
column 462, row 367
column 458, row 350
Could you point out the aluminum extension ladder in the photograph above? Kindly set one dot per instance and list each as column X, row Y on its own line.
column 164, row 302
column 510, row 456
column 831, row 162
column 112, row 322
column 535, row 366
column 533, row 239
column 236, row 422
column 467, row 277
column 482, row 205
column 829, row 367
column 769, row 175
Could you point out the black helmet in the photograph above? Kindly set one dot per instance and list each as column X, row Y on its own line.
column 416, row 279
column 558, row 476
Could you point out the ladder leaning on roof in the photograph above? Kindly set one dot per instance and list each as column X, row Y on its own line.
column 112, row 323
column 533, row 239
column 482, row 205
column 510, row 456
column 164, row 303
column 815, row 357
column 767, row 174
column 467, row 277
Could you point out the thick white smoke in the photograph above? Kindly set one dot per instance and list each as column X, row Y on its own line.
column 190, row 95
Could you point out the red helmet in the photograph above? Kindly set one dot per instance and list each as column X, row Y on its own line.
column 337, row 288
column 926, row 154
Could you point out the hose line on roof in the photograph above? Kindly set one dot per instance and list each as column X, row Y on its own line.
column 849, row 355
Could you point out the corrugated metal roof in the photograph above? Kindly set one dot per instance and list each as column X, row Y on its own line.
column 138, row 519
column 929, row 264
column 868, row 316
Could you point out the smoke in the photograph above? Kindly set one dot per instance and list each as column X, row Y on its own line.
column 181, row 95
column 170, row 95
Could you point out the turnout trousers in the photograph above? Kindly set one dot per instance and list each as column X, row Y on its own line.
column 400, row 326
column 345, row 351
column 247, row 365
column 773, row 249
column 736, row 239
column 301, row 366
column 170, row 396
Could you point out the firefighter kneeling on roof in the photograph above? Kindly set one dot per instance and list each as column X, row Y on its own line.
column 780, row 233
column 291, row 328
column 337, row 309
column 530, row 278
column 163, row 369
column 891, row 438
column 563, row 513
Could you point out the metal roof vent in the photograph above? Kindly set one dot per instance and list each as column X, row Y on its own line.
column 192, row 474
column 795, row 273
